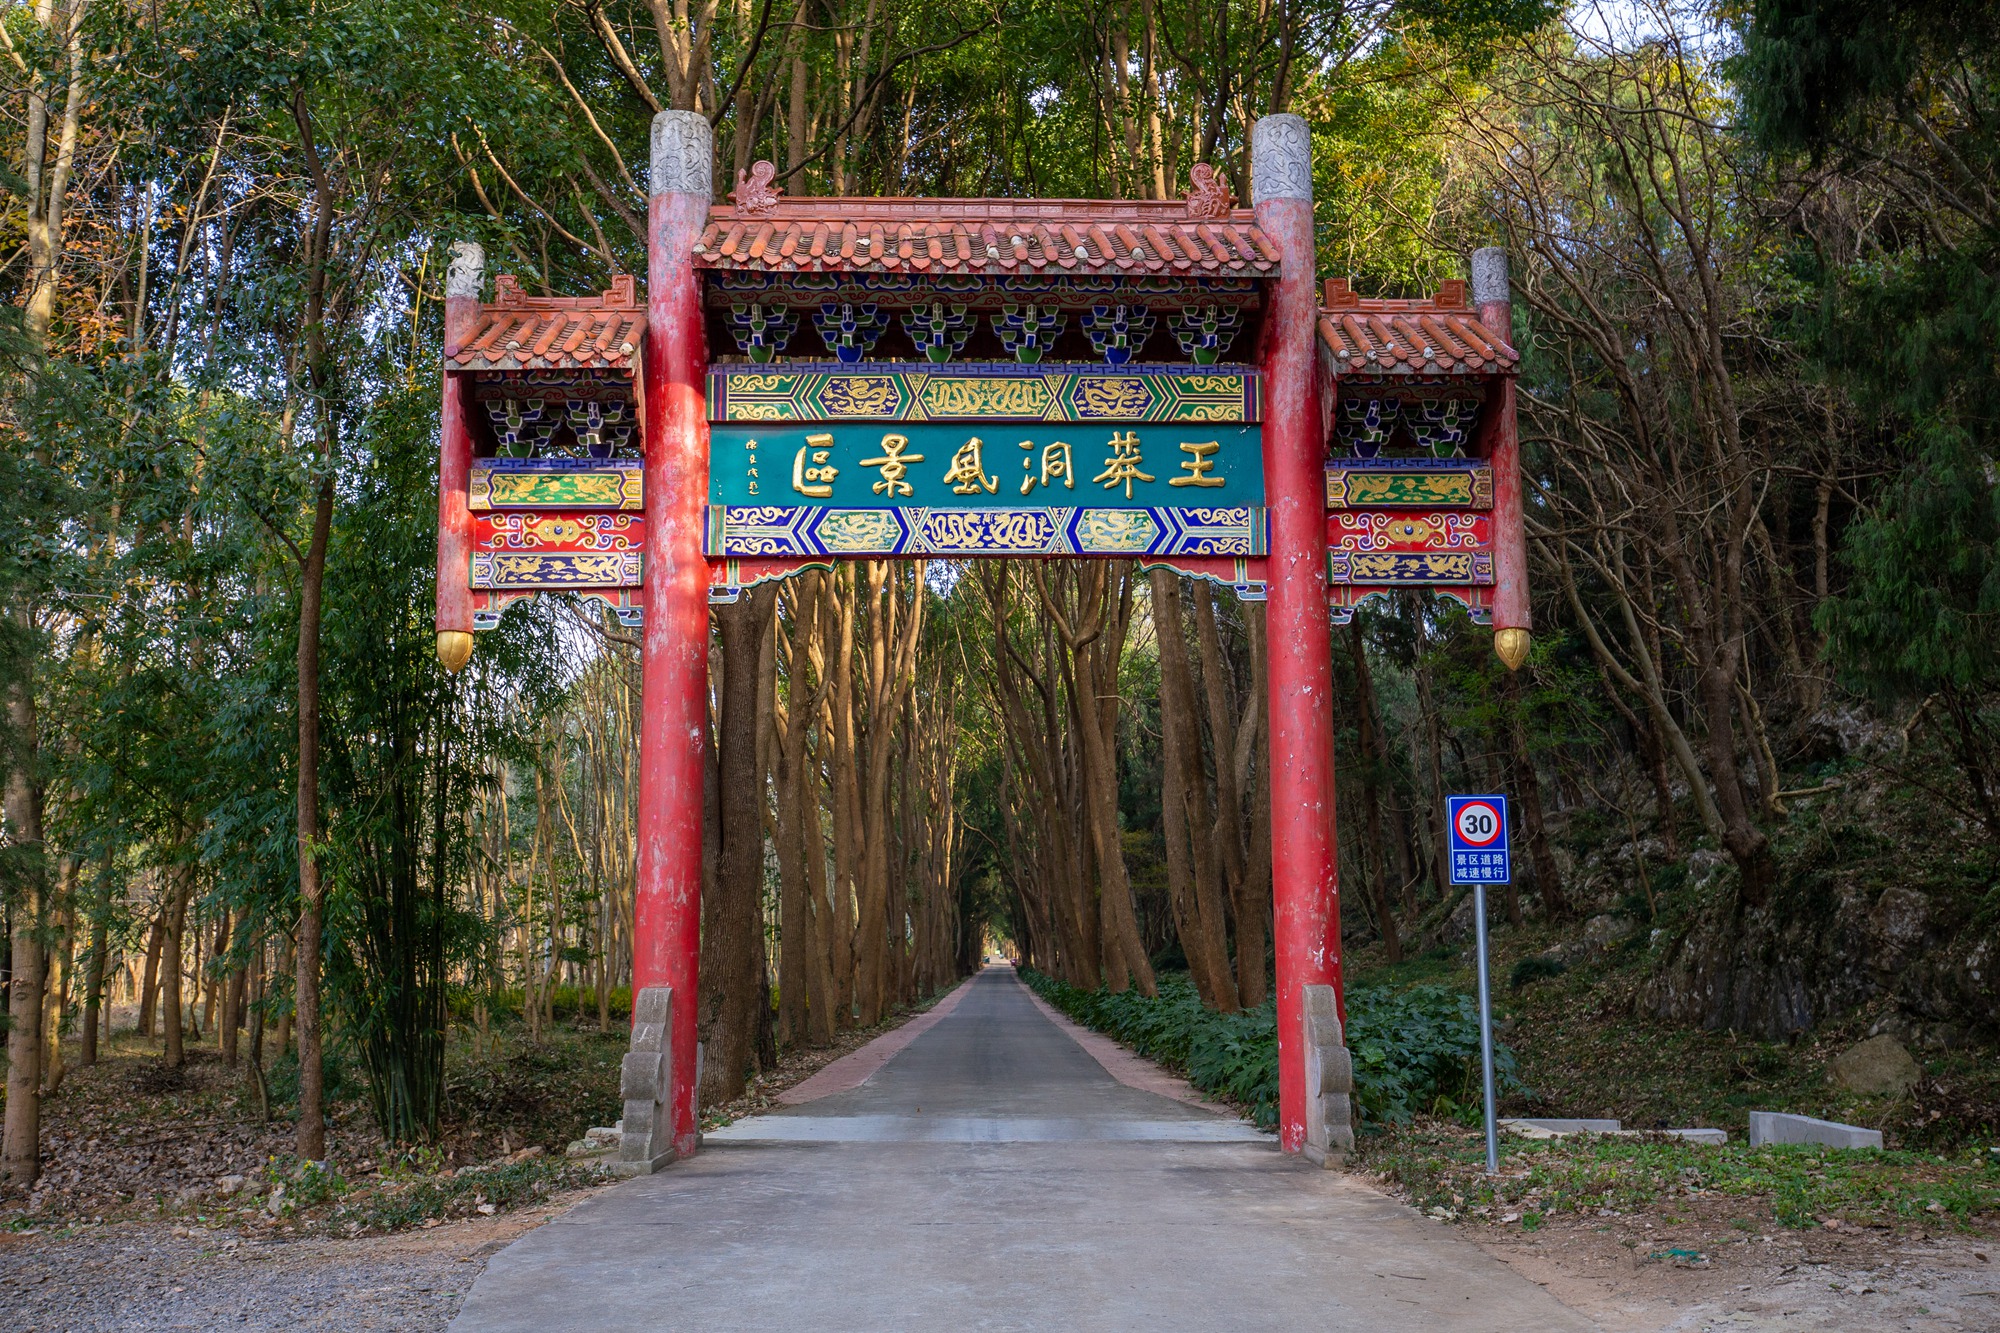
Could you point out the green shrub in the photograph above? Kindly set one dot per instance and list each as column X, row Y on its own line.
column 1418, row 1050
column 1414, row 1050
column 339, row 1079
column 1537, row 967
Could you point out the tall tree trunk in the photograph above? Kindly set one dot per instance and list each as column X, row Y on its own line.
column 100, row 948
column 1191, row 863
column 21, row 1141
column 232, row 1014
column 843, row 795
column 310, row 1133
column 173, row 958
column 61, row 976
column 1528, row 793
column 1096, row 642
column 149, row 988
column 1234, row 743
column 732, row 965
column 1371, row 804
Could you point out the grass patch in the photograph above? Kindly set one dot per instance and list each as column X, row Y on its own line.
column 1232, row 1056
column 1442, row 1167
column 397, row 1203
column 1415, row 1049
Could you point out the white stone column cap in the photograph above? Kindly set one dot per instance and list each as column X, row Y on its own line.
column 1280, row 159
column 1489, row 276
column 467, row 271
column 683, row 154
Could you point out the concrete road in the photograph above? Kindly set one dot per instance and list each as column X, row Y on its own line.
column 993, row 1175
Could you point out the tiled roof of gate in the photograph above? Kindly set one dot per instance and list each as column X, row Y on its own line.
column 1110, row 238
column 1441, row 336
column 522, row 332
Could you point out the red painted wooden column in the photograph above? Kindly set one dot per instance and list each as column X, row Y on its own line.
column 1305, row 875
column 667, row 927
column 454, row 559
column 1511, row 625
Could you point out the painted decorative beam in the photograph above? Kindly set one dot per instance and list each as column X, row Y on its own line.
column 556, row 483
column 1359, row 483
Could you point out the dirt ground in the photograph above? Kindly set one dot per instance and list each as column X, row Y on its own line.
column 1697, row 1264
column 124, row 1231
column 1644, row 1273
column 159, row 1276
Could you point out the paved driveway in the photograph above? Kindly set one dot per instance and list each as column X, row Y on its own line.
column 992, row 1175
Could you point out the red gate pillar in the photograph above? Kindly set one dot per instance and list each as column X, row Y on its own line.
column 1511, row 625
column 666, row 945
column 1305, row 877
column 462, row 281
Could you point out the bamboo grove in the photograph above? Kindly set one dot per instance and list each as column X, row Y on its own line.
column 247, row 812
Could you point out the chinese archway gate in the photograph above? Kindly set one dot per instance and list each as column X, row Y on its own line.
column 812, row 380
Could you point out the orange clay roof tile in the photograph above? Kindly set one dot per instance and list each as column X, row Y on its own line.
column 1442, row 336
column 522, row 332
column 998, row 236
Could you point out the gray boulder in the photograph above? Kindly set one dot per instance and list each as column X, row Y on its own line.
column 1876, row 1066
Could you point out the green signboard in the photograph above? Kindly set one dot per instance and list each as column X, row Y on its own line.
column 913, row 465
column 985, row 488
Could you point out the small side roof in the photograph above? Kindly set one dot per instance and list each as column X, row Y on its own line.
column 522, row 332
column 1441, row 336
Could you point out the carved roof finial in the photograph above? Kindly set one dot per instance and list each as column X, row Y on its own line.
column 1209, row 196
column 754, row 194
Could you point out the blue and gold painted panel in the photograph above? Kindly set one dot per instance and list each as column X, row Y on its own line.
column 799, row 531
column 984, row 392
column 1428, row 483
column 556, row 483
column 1414, row 568
column 555, row 571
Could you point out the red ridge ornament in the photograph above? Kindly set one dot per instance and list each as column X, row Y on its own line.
column 1209, row 196
column 754, row 194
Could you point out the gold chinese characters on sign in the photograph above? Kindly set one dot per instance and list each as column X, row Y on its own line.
column 967, row 475
column 814, row 478
column 894, row 465
column 1056, row 466
column 1122, row 467
column 921, row 466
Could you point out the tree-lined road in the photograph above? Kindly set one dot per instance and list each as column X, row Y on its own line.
column 993, row 1175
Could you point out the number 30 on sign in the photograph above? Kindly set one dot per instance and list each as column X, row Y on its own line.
column 1479, row 853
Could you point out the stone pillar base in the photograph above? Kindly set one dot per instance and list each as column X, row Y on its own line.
column 646, row 1082
column 1329, row 1082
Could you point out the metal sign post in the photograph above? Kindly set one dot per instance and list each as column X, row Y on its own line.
column 1479, row 856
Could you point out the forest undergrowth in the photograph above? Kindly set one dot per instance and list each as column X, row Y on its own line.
column 132, row 1140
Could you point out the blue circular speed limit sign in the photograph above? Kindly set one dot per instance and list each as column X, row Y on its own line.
column 1477, row 824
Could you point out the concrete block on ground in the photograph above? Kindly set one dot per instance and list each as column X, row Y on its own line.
column 1782, row 1127
column 1556, row 1129
column 1713, row 1137
column 1567, row 1126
